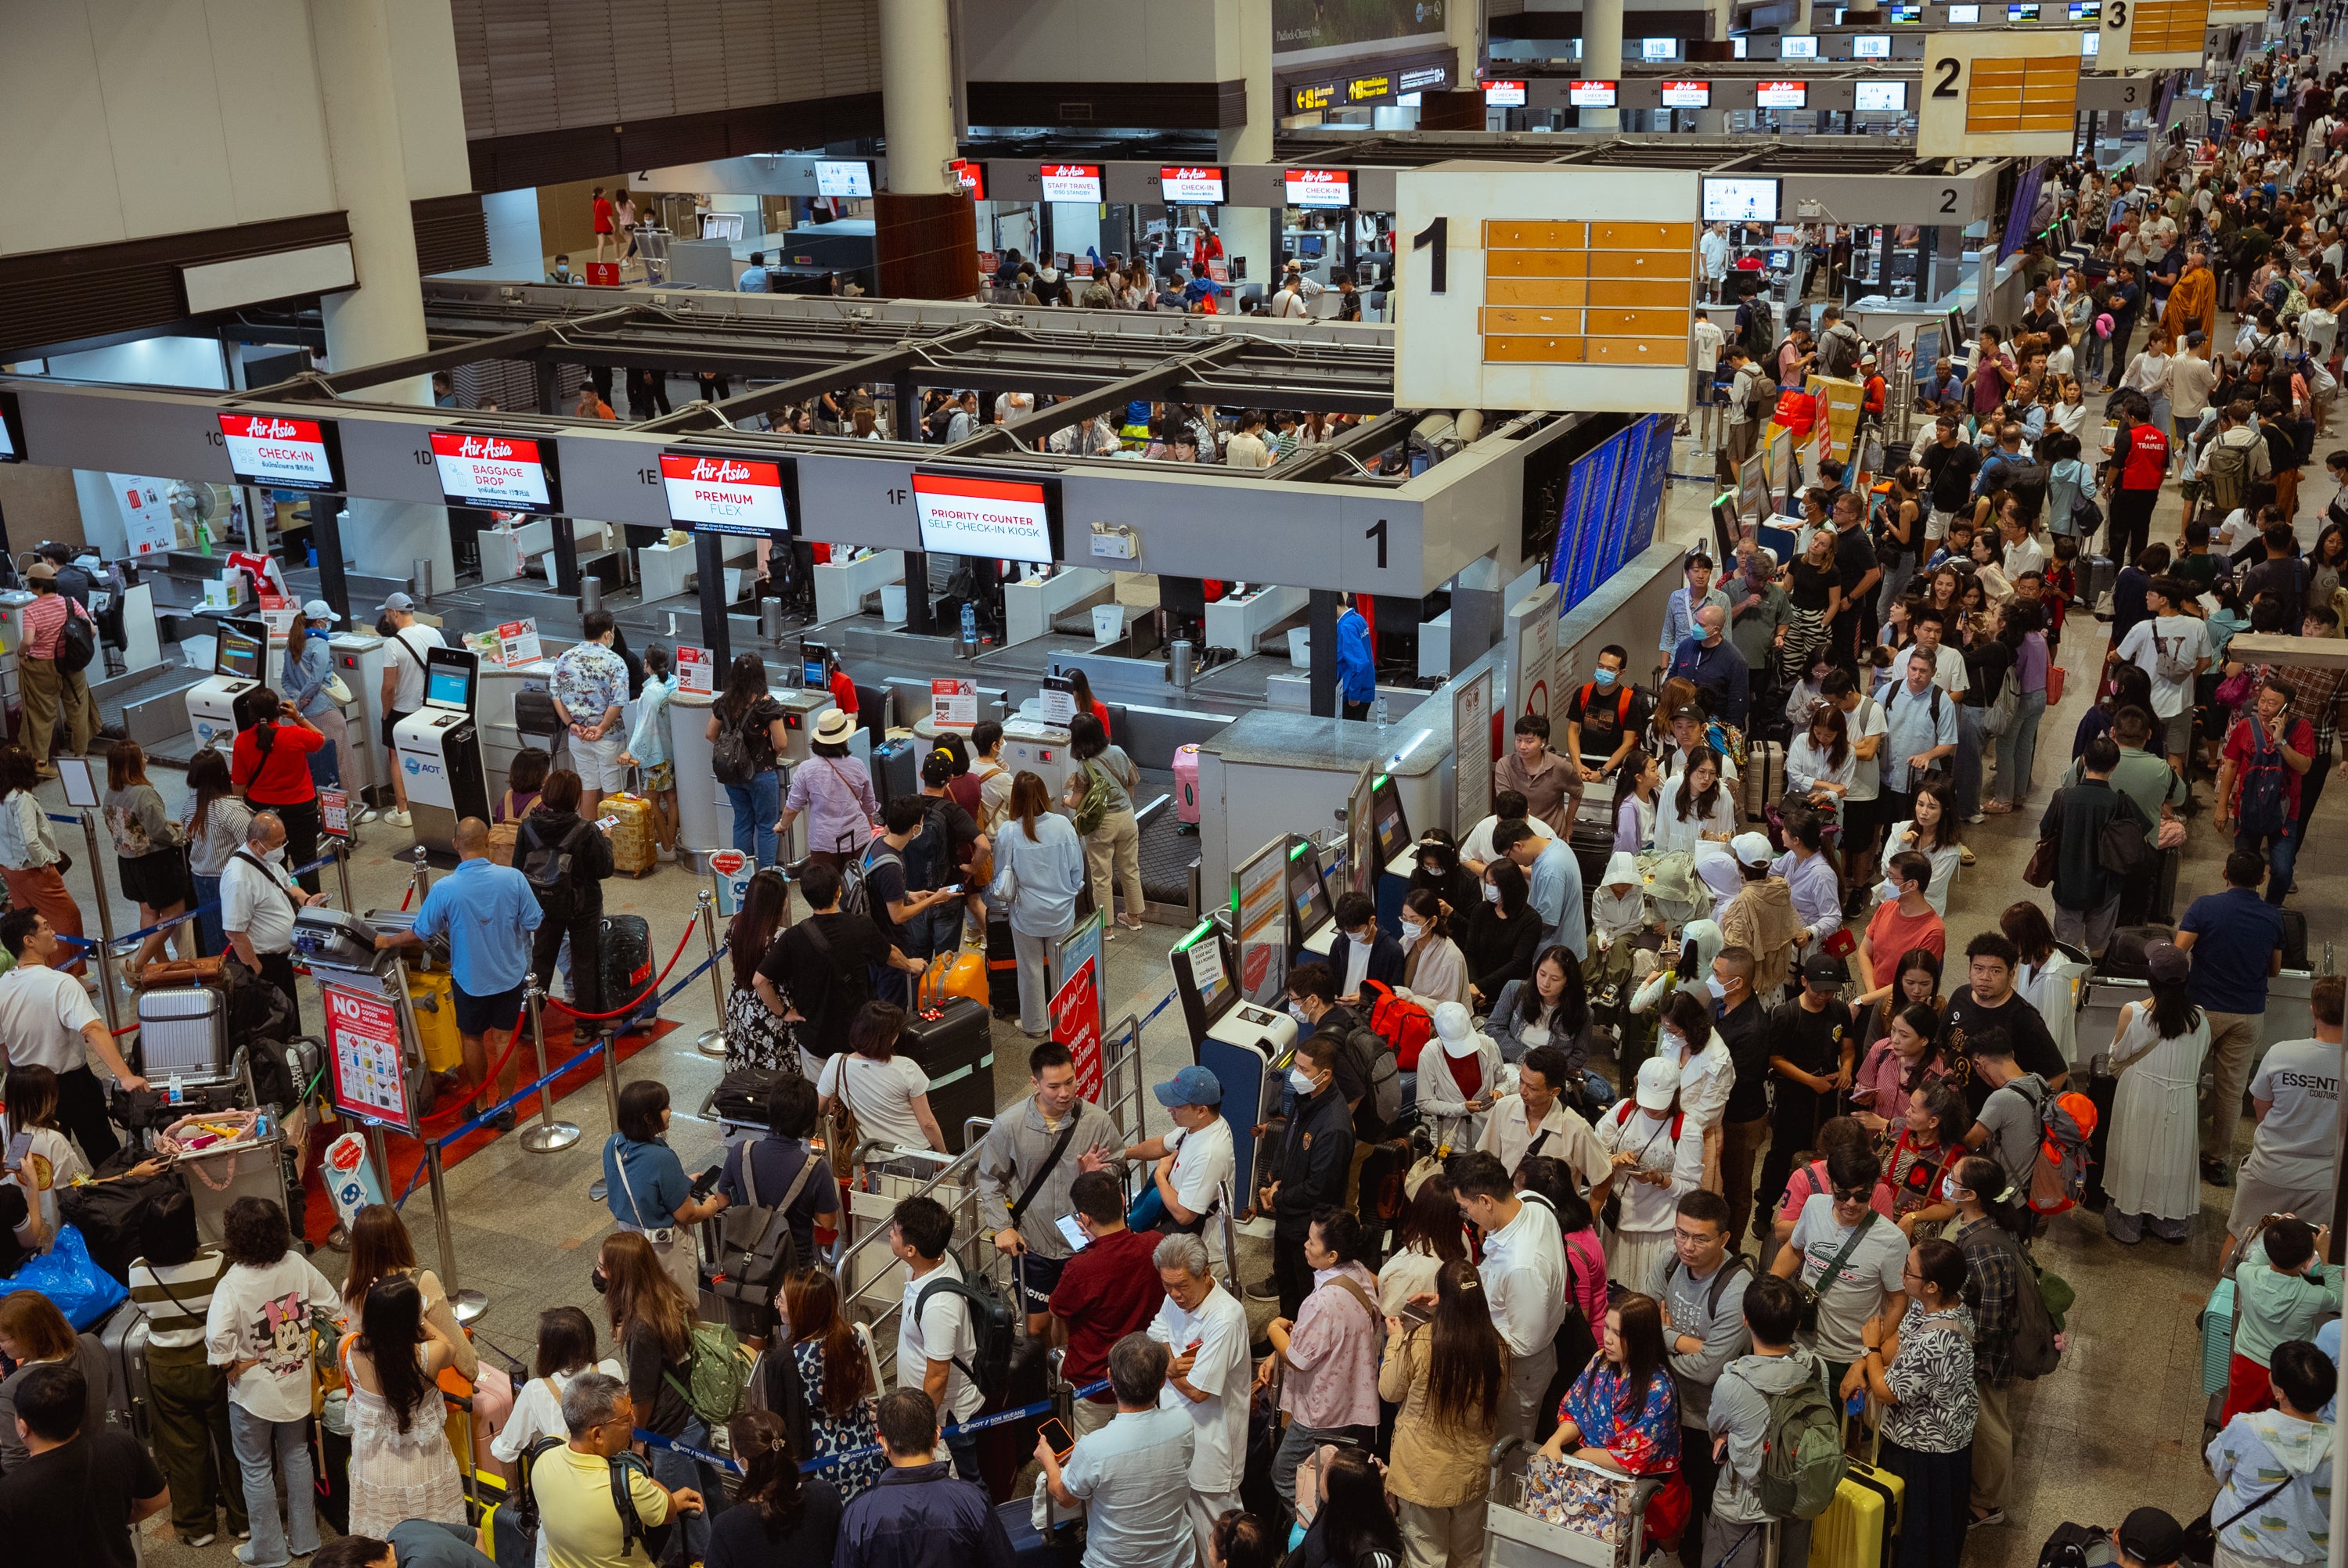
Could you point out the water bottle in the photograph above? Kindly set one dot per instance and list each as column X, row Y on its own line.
column 970, row 623
column 1379, row 710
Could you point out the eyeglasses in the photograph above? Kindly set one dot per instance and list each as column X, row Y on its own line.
column 1853, row 1196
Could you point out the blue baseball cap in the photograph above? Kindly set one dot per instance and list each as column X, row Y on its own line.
column 1192, row 1086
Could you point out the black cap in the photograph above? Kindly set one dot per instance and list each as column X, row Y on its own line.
column 1825, row 969
column 2153, row 1537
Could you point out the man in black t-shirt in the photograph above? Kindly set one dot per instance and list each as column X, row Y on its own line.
column 79, row 1494
column 900, row 906
column 1744, row 1026
column 775, row 1160
column 1992, row 1002
column 939, row 856
column 1950, row 463
column 1811, row 1045
column 1859, row 571
column 1606, row 717
column 820, row 969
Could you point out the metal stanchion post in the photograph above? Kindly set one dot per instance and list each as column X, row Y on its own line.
column 379, row 1157
column 421, row 876
column 610, row 1093
column 343, row 873
column 468, row 1305
column 713, row 1038
column 549, row 1135
column 106, row 997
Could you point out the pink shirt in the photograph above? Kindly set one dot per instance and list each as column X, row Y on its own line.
column 1587, row 1256
column 1331, row 1378
column 1883, row 1072
column 1811, row 1180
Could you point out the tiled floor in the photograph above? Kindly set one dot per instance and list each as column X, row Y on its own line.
column 2119, row 1425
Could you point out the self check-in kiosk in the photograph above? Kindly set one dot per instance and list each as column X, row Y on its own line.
column 1245, row 1046
column 439, row 748
column 1310, row 904
column 1391, row 849
column 237, row 653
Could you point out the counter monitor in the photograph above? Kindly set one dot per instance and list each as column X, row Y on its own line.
column 1192, row 186
column 1591, row 95
column 1963, row 15
column 236, row 654
column 1072, row 182
column 1907, row 15
column 1659, row 48
column 1798, row 46
column 842, row 177
column 813, row 657
column 282, row 453
column 1687, row 95
column 1870, row 46
column 1780, row 94
column 507, row 473
column 449, row 686
column 967, row 514
column 714, row 494
column 1504, row 95
column 1743, row 199
column 2022, row 11
column 1880, row 97
column 1319, row 187
column 971, row 177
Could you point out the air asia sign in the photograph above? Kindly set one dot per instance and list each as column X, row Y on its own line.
column 1071, row 181
column 503, row 471
column 1202, row 186
column 270, row 449
column 724, row 495
column 964, row 515
column 1319, row 187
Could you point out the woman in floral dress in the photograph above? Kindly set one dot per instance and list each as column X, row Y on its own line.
column 1923, row 1378
column 1624, row 1412
column 757, row 1035
column 832, row 1362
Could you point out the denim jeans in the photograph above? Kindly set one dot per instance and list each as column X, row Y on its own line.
column 1965, row 769
column 933, row 931
column 2282, row 853
column 2017, row 750
column 673, row 1470
column 211, row 935
column 257, row 1442
column 756, row 804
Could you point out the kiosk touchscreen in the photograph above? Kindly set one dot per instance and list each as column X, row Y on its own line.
column 440, row 750
column 1246, row 1047
column 238, row 651
column 1310, row 909
column 1391, row 849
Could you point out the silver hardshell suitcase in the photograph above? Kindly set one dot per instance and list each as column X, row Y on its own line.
column 183, row 1034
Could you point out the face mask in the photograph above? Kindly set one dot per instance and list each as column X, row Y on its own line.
column 1670, row 1041
column 1719, row 992
column 1301, row 1083
column 275, row 856
column 1491, row 894
column 1949, row 1188
column 1413, row 930
column 1298, row 1013
column 1604, row 677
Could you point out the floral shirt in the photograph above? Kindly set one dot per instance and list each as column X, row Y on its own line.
column 1646, row 1440
column 830, row 1434
column 1933, row 1376
column 1915, row 1180
column 588, row 678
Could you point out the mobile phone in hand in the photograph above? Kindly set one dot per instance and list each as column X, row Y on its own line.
column 1052, row 1433
column 18, row 1147
column 703, row 1182
column 607, row 823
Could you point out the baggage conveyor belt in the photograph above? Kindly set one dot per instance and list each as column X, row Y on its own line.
column 152, row 710
column 1166, row 854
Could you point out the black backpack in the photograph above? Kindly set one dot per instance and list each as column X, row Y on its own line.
column 992, row 1325
column 735, row 757
column 547, row 867
column 525, row 1519
column 78, row 642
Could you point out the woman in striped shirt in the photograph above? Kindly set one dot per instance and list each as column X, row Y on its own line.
column 173, row 1284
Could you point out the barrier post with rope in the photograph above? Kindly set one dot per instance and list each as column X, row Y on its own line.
column 105, row 996
column 550, row 1136
column 713, row 1038
column 343, row 873
column 420, row 877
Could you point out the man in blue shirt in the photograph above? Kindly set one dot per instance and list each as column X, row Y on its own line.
column 1357, row 672
column 1708, row 659
column 487, row 912
column 1555, row 884
column 2236, row 941
column 753, row 276
column 1919, row 735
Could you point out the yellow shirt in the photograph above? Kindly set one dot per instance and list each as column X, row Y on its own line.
column 580, row 1527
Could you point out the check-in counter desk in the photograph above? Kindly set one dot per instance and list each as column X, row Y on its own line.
column 2289, row 1015
column 840, row 587
column 1243, row 623
column 504, row 549
column 662, row 569
column 704, row 812
column 1030, row 608
column 494, row 713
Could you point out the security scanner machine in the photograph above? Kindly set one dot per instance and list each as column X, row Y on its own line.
column 237, row 653
column 1246, row 1047
column 440, row 750
column 1312, row 905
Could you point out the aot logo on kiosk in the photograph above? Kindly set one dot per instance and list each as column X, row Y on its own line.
column 484, row 470
column 270, row 449
column 967, row 516
column 724, row 495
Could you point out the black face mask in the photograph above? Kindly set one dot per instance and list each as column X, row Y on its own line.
column 595, row 1279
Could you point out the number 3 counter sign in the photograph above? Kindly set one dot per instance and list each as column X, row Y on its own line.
column 1557, row 289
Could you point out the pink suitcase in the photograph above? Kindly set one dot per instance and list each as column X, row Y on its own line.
column 1185, row 786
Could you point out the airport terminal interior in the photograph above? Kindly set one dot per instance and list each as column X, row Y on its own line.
column 1306, row 393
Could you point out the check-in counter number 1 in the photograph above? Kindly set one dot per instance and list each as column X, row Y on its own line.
column 1435, row 239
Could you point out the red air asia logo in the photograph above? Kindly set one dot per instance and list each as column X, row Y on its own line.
column 1314, row 176
column 266, row 427
column 1194, row 174
column 721, row 471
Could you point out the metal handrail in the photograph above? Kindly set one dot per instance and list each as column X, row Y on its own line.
column 1116, row 1069
column 968, row 1158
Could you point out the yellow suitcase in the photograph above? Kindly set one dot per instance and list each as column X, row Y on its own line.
column 633, row 837
column 433, row 995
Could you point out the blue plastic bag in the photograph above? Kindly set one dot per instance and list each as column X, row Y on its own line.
column 1147, row 1212
column 84, row 1292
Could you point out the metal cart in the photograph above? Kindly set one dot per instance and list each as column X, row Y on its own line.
column 1515, row 1535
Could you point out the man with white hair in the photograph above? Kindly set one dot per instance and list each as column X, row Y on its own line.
column 257, row 900
column 1206, row 1328
column 577, row 1486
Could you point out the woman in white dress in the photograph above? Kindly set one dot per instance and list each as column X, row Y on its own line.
column 2048, row 978
column 1433, row 968
column 1658, row 1152
column 401, row 1464
column 1932, row 833
column 2151, row 1174
column 1694, row 806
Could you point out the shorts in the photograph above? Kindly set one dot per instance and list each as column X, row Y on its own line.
column 478, row 1015
column 660, row 776
column 390, row 722
column 599, row 764
column 2178, row 731
column 1037, row 1277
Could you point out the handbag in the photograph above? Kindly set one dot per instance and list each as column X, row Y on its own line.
column 2201, row 1536
column 2040, row 870
column 72, row 1280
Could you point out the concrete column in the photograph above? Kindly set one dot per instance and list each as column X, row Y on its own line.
column 383, row 318
column 1601, row 55
column 1243, row 51
column 1463, row 29
column 917, row 94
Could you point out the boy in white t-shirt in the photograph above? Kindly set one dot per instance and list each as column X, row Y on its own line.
column 1196, row 1158
column 2172, row 648
column 936, row 1345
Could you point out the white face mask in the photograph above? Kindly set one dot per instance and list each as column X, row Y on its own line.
column 1296, row 1011
column 1491, row 894
column 1302, row 1083
column 275, row 856
column 1949, row 1187
column 1719, row 990
column 1671, row 1042
column 1413, row 930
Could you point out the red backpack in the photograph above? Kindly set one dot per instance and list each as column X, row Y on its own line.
column 1403, row 1023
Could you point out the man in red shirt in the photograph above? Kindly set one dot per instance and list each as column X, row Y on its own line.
column 1900, row 925
column 1109, row 1289
column 2272, row 738
column 47, row 686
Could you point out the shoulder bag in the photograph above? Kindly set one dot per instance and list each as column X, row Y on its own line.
column 2039, row 871
column 1810, row 1294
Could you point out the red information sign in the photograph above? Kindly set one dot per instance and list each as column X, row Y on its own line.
column 364, row 1044
column 695, row 672
column 1076, row 1023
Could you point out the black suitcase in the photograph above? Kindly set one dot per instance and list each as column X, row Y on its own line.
column 1002, row 969
column 2101, row 1087
column 741, row 1094
column 627, row 968
column 2294, row 940
column 896, row 770
column 952, row 1038
column 1592, row 843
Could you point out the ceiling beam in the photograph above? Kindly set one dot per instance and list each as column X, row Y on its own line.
column 521, row 344
column 1031, row 430
column 882, row 367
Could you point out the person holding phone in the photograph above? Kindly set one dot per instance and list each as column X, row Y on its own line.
column 1108, row 1290
column 1206, row 1328
column 1448, row 1366
column 645, row 1187
column 1131, row 1476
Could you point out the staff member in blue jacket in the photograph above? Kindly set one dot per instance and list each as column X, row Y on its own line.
column 1357, row 672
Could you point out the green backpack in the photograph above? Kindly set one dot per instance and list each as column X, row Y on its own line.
column 1096, row 803
column 718, row 1375
column 1802, row 1461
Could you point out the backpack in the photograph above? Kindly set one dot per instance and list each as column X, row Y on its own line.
column 755, row 1247
column 2071, row 1546
column 2263, row 805
column 525, row 1520
column 547, row 867
column 717, row 1376
column 77, row 640
column 2058, row 1172
column 1726, row 740
column 1093, row 807
column 991, row 1325
column 854, row 900
column 730, row 756
column 1801, row 1455
column 1402, row 1022
column 1374, row 1060
column 2229, row 474
column 2036, row 1350
column 1760, row 329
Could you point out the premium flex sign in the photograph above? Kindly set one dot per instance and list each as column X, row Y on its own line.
column 719, row 495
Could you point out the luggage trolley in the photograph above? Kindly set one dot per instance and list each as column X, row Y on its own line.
column 1546, row 1513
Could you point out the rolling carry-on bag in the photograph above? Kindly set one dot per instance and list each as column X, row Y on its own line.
column 1764, row 779
column 952, row 1038
column 128, row 1401
column 183, row 1034
column 896, row 769
column 628, row 968
column 633, row 838
column 2101, row 1087
column 1861, row 1529
column 1002, row 969
column 1186, row 786
column 432, row 997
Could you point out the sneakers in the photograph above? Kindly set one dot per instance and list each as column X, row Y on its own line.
column 2216, row 1172
column 206, row 1539
column 398, row 818
column 1984, row 1520
column 1265, row 1289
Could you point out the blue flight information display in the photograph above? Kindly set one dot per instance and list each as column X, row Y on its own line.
column 1613, row 498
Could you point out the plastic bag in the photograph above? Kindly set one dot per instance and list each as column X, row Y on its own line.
column 84, row 1292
